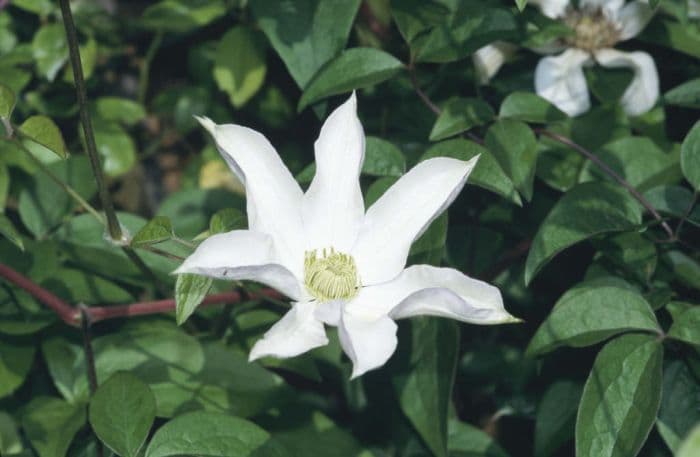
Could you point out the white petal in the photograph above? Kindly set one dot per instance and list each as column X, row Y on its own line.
column 273, row 196
column 693, row 9
column 489, row 59
column 333, row 207
column 403, row 213
column 640, row 96
column 329, row 312
column 367, row 342
column 242, row 255
column 297, row 332
column 610, row 7
column 432, row 291
column 560, row 80
column 552, row 8
column 633, row 17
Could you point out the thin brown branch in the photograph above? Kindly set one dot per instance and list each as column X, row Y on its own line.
column 612, row 173
column 422, row 95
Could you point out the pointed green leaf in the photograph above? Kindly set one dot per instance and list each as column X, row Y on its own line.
column 355, row 68
column 621, row 398
column 190, row 290
column 487, row 173
column 424, row 383
column 50, row 50
column 679, row 410
column 157, row 230
column 459, row 115
column 7, row 101
column 686, row 327
column 119, row 109
column 521, row 4
column 608, row 208
column 44, row 131
column 210, row 434
column 10, row 232
column 690, row 156
column 16, row 357
column 50, row 425
column 226, row 220
column 239, row 65
column 515, row 147
column 122, row 411
column 382, row 158
column 691, row 444
column 686, row 94
column 465, row 440
column 306, row 33
column 529, row 107
column 556, row 417
column 592, row 312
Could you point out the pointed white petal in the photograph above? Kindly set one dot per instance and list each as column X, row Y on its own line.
column 297, row 332
column 403, row 213
column 242, row 255
column 432, row 291
column 640, row 96
column 273, row 196
column 552, row 8
column 333, row 207
column 367, row 342
column 633, row 17
column 560, row 80
column 489, row 59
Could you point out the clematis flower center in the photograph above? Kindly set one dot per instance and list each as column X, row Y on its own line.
column 592, row 30
column 331, row 275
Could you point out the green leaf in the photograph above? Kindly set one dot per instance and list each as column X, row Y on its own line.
column 529, row 107
column 674, row 35
column 50, row 50
column 122, row 411
column 16, row 357
column 119, row 109
column 686, row 269
column 620, row 398
column 424, row 382
column 413, row 17
column 210, row 434
column 691, row 444
column 515, row 147
column 190, row 290
column 471, row 26
column 13, row 77
column 382, row 158
column 521, row 4
column 690, row 156
column 686, row 94
column 592, row 312
column 638, row 160
column 4, row 185
column 44, row 131
column 88, row 60
column 608, row 208
column 465, row 440
column 678, row 412
column 226, row 220
column 50, row 425
column 43, row 205
column 182, row 15
column 239, row 65
column 487, row 173
column 77, row 286
column 115, row 146
column 631, row 252
column 306, row 33
column 10, row 441
column 556, row 417
column 157, row 230
column 673, row 200
column 686, row 327
column 8, row 230
column 7, row 101
column 353, row 69
column 459, row 115
column 40, row 7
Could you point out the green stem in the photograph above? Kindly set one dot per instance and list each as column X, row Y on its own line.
column 113, row 226
column 146, row 66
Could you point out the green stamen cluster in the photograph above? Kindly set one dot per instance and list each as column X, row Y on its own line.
column 331, row 276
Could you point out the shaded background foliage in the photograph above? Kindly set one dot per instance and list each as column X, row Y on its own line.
column 538, row 219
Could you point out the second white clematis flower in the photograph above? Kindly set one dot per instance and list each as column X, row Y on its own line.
column 339, row 264
column 597, row 26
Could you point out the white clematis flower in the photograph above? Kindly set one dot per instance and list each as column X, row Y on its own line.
column 339, row 264
column 597, row 25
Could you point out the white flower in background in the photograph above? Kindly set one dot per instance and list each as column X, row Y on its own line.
column 597, row 26
column 339, row 264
